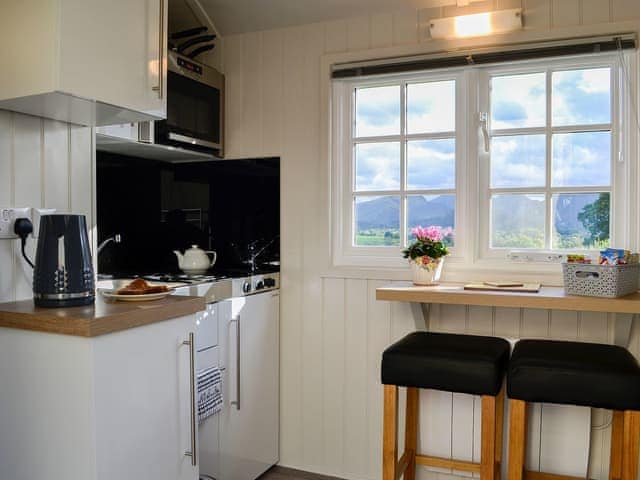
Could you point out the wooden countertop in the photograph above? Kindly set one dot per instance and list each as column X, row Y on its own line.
column 99, row 319
column 553, row 298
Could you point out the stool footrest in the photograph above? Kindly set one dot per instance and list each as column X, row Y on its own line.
column 403, row 463
column 532, row 475
column 439, row 462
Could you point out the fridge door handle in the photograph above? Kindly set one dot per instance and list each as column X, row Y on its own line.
column 192, row 385
column 236, row 402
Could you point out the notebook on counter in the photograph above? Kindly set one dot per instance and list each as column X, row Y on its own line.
column 504, row 287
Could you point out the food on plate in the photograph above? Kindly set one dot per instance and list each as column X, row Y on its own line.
column 141, row 287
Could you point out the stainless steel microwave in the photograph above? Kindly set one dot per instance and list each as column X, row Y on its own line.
column 195, row 108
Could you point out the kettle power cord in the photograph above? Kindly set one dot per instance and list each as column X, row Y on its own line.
column 23, row 227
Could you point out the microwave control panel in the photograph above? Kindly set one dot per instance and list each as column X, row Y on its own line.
column 192, row 67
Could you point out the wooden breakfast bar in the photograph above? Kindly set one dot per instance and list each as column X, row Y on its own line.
column 548, row 298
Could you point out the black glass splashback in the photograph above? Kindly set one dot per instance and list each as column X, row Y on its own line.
column 227, row 206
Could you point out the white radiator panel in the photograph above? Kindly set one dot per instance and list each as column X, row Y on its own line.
column 565, row 433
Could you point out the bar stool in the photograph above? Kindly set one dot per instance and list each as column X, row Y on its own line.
column 573, row 373
column 454, row 363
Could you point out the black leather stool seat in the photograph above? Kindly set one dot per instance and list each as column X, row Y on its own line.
column 441, row 361
column 574, row 373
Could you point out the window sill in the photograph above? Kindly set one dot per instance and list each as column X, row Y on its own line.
column 455, row 270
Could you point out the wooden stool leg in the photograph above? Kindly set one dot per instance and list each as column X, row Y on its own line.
column 499, row 431
column 488, row 438
column 411, row 432
column 517, row 438
column 631, row 445
column 617, row 430
column 390, row 433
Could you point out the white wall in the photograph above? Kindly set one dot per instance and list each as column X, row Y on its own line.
column 44, row 164
column 333, row 329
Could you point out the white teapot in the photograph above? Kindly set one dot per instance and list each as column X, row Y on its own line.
column 195, row 261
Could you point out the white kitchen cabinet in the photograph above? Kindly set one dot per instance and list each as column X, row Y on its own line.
column 116, row 406
column 249, row 422
column 88, row 62
column 127, row 131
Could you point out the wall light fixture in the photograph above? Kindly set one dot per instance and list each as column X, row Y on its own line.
column 478, row 24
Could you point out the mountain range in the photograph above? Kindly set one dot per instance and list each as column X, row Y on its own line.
column 382, row 213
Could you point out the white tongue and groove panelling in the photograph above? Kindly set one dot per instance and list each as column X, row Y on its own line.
column 332, row 329
column 346, row 428
column 44, row 164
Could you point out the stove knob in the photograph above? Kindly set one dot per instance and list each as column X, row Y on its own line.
column 259, row 285
column 269, row 282
column 246, row 287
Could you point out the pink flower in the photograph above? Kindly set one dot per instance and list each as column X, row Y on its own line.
column 433, row 233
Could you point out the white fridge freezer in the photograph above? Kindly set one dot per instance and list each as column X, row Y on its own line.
column 249, row 355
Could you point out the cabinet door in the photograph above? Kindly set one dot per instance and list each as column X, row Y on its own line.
column 143, row 403
column 250, row 421
column 115, row 52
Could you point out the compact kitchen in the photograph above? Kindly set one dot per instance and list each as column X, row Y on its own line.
column 304, row 240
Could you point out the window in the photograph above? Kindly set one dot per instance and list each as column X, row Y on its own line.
column 550, row 157
column 531, row 155
column 404, row 160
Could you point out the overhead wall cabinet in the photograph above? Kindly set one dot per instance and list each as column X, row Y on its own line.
column 86, row 62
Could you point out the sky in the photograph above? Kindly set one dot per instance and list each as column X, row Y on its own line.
column 579, row 97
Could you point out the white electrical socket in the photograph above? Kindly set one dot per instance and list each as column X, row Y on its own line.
column 525, row 256
column 8, row 218
column 36, row 213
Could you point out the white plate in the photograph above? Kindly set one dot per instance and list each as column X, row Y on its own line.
column 135, row 298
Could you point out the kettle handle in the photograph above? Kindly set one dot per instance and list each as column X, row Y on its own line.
column 215, row 256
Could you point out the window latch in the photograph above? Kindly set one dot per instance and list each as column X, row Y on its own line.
column 484, row 127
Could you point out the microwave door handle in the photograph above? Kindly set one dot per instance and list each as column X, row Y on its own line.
column 159, row 87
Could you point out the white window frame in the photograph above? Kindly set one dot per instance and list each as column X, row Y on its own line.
column 485, row 74
column 471, row 254
column 344, row 252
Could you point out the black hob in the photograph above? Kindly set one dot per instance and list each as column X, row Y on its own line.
column 183, row 278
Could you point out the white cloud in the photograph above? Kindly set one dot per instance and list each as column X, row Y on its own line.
column 431, row 164
column 431, row 107
column 378, row 166
column 526, row 91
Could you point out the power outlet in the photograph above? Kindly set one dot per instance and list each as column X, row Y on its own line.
column 525, row 256
column 8, row 218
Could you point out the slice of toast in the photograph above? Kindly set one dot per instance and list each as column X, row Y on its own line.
column 141, row 287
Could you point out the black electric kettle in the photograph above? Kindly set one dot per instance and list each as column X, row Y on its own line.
column 63, row 272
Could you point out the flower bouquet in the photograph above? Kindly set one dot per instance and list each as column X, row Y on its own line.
column 426, row 253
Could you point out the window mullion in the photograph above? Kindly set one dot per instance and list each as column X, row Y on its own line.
column 548, row 229
column 403, row 164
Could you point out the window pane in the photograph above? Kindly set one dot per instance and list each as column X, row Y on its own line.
column 431, row 164
column 581, row 220
column 427, row 210
column 378, row 111
column 377, row 166
column 518, row 161
column 517, row 221
column 582, row 97
column 377, row 221
column 581, row 159
column 518, row 101
column 431, row 107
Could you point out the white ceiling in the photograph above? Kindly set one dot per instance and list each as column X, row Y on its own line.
column 239, row 16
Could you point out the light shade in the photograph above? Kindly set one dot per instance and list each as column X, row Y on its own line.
column 478, row 24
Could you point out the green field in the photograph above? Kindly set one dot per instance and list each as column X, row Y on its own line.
column 378, row 238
